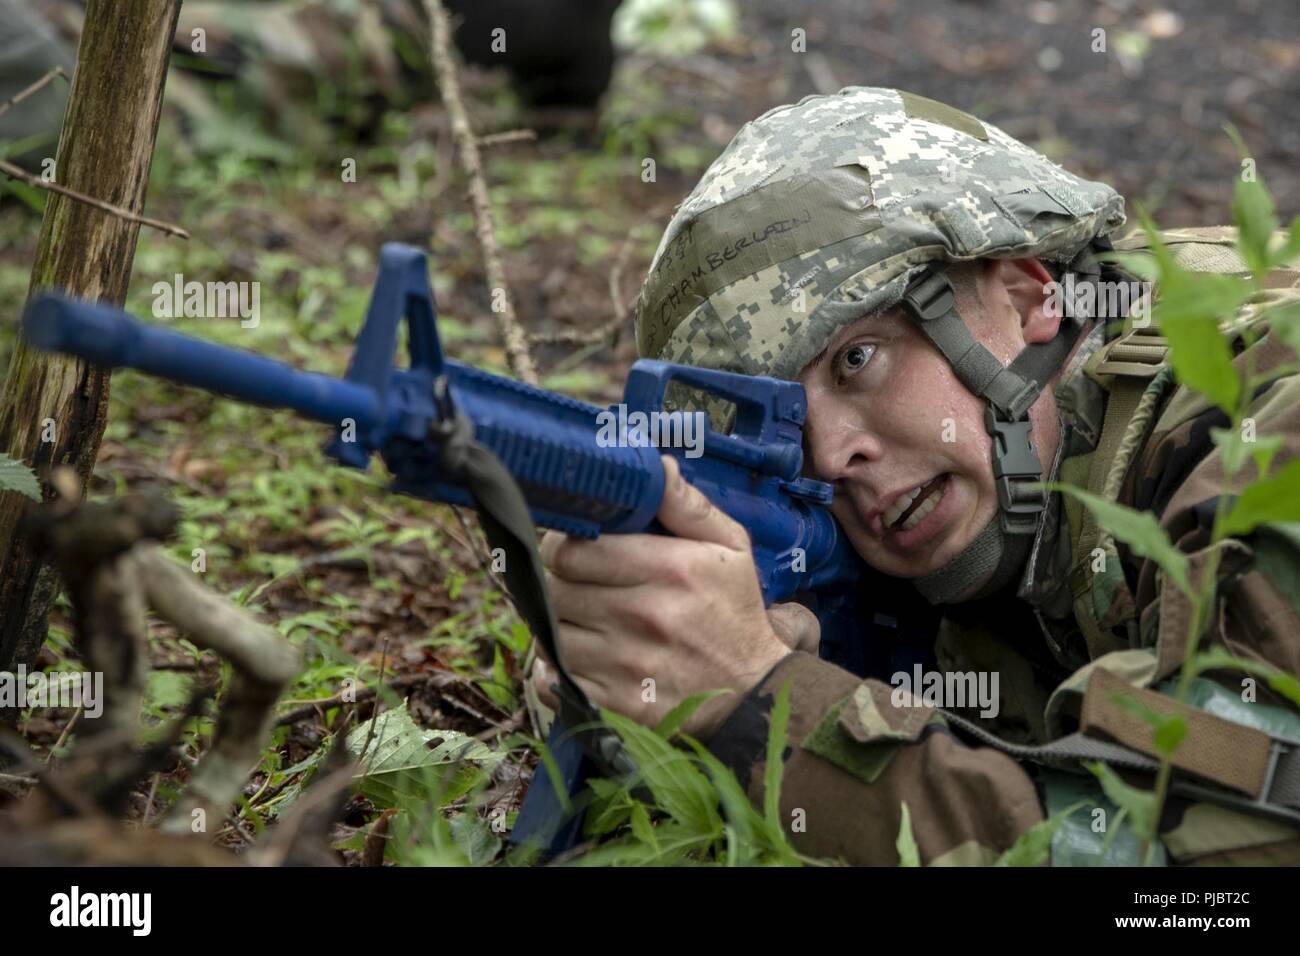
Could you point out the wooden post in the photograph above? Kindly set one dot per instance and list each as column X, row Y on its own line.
column 53, row 409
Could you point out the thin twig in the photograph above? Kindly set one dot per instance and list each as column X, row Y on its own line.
column 509, row 136
column 512, row 336
column 31, row 90
column 67, row 729
column 17, row 172
column 148, row 804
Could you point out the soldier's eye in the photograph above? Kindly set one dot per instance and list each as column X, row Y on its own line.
column 852, row 360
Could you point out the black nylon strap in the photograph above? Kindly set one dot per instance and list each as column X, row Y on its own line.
column 508, row 525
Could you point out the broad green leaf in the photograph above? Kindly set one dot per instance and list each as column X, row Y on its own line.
column 1274, row 499
column 1034, row 846
column 1140, row 264
column 1137, row 529
column 406, row 762
column 15, row 476
column 908, row 853
column 1253, row 214
column 1170, row 734
column 1139, row 804
column 473, row 836
column 774, row 769
column 1218, row 658
column 1188, row 310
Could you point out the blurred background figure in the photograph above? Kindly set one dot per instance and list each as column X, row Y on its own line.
column 344, row 60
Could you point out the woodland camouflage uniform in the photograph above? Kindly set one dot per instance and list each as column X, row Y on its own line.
column 925, row 182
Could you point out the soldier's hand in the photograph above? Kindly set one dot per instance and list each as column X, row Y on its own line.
column 646, row 621
column 796, row 626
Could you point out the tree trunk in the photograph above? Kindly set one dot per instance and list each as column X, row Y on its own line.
column 53, row 409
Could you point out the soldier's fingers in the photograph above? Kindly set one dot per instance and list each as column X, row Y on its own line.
column 590, row 606
column 582, row 652
column 613, row 560
column 796, row 626
column 617, row 560
column 687, row 513
column 543, row 677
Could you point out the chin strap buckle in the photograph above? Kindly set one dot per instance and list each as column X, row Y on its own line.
column 1016, row 469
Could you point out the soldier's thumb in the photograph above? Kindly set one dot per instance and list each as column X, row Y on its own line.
column 796, row 626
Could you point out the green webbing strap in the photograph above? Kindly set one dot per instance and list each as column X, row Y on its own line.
column 1279, row 799
column 1010, row 390
column 931, row 300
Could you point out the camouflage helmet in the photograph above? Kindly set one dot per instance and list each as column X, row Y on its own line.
column 819, row 213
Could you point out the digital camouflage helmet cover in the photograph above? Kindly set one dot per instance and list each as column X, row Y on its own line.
column 819, row 213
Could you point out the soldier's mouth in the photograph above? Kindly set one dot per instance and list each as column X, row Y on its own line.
column 910, row 508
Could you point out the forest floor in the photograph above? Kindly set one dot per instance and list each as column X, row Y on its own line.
column 380, row 588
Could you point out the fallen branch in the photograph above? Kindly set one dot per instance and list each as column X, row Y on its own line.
column 17, row 172
column 467, row 147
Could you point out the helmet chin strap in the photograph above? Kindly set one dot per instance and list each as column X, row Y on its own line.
column 993, row 557
column 998, row 553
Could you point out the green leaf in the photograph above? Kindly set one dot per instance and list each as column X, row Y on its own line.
column 1170, row 734
column 774, row 769
column 473, row 836
column 908, row 853
column 678, row 786
column 1253, row 214
column 1168, row 729
column 1235, row 451
column 1289, row 249
column 1137, row 529
column 557, row 779
column 1274, row 499
column 675, row 718
column 1034, row 846
column 1219, row 658
column 1284, row 322
column 407, row 762
column 1188, row 311
column 641, row 827
column 15, row 476
column 1139, row 804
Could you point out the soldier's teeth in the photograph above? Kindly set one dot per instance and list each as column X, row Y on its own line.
column 900, row 505
column 923, row 509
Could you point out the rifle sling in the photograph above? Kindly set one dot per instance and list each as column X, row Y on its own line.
column 509, row 526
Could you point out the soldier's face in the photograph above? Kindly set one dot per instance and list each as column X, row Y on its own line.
column 887, row 416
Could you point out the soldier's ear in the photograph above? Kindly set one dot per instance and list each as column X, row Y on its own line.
column 1027, row 285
